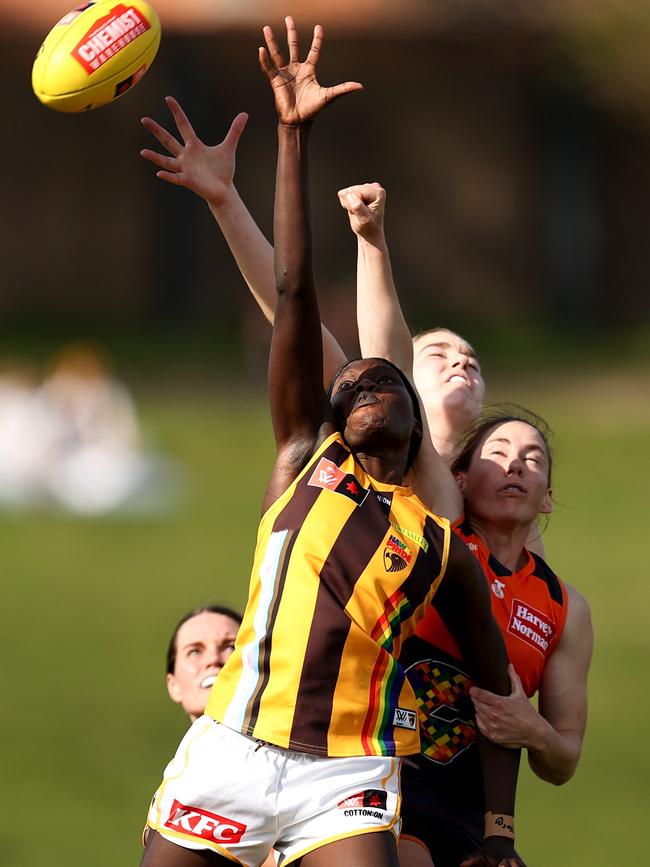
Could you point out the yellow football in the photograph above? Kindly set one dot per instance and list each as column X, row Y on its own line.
column 95, row 53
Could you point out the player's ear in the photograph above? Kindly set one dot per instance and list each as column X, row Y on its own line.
column 547, row 503
column 461, row 481
column 173, row 689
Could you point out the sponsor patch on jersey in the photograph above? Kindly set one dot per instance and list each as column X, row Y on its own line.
column 396, row 555
column 369, row 798
column 108, row 36
column 498, row 588
column 419, row 540
column 201, row 823
column 530, row 625
column 330, row 477
column 405, row 719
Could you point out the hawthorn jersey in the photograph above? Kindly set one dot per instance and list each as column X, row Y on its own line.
column 530, row 607
column 344, row 568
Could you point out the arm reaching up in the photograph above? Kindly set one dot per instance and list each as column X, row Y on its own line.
column 300, row 410
column 383, row 332
column 209, row 171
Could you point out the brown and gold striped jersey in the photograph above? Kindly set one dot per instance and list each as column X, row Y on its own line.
column 344, row 568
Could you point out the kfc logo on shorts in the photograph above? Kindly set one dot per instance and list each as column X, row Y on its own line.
column 531, row 626
column 200, row 823
column 374, row 798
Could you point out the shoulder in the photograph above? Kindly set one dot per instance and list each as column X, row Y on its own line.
column 579, row 609
column 295, row 457
column 557, row 589
column 577, row 636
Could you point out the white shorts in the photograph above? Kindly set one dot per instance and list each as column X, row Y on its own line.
column 241, row 797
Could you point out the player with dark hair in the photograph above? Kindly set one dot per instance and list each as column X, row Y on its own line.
column 200, row 644
column 504, row 472
column 301, row 743
column 502, row 487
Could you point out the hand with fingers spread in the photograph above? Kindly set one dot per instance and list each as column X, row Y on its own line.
column 298, row 95
column 207, row 171
column 365, row 206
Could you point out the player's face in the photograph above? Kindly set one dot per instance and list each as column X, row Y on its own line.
column 203, row 645
column 507, row 479
column 369, row 399
column 447, row 373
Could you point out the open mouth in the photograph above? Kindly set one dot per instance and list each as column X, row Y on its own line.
column 458, row 378
column 513, row 488
column 208, row 681
column 365, row 399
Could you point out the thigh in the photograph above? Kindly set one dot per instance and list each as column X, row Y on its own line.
column 161, row 853
column 376, row 849
column 414, row 854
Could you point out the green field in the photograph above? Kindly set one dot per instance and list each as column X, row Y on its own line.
column 86, row 725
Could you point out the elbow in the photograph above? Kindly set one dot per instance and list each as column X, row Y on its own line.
column 556, row 776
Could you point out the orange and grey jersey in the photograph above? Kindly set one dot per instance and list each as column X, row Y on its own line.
column 344, row 568
column 530, row 608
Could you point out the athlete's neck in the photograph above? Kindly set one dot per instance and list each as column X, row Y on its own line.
column 389, row 469
column 447, row 430
column 507, row 544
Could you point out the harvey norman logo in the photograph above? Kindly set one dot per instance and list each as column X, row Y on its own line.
column 531, row 626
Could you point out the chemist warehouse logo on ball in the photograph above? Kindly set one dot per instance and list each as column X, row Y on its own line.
column 200, row 823
column 108, row 36
column 531, row 626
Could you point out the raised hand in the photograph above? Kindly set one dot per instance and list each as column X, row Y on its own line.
column 207, row 171
column 298, row 95
column 365, row 205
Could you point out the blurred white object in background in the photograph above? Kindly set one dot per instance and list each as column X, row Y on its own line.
column 74, row 440
column 26, row 441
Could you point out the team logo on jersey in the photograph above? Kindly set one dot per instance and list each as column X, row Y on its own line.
column 370, row 798
column 200, row 823
column 405, row 719
column 332, row 478
column 445, row 709
column 530, row 625
column 497, row 588
column 396, row 555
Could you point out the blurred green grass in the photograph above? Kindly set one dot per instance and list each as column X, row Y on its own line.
column 87, row 727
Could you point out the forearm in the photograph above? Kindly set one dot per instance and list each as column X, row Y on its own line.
column 553, row 756
column 292, row 223
column 500, row 769
column 254, row 256
column 383, row 331
column 251, row 250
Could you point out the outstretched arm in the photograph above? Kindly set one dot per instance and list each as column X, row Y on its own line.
column 300, row 411
column 463, row 601
column 383, row 332
column 209, row 172
column 553, row 735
